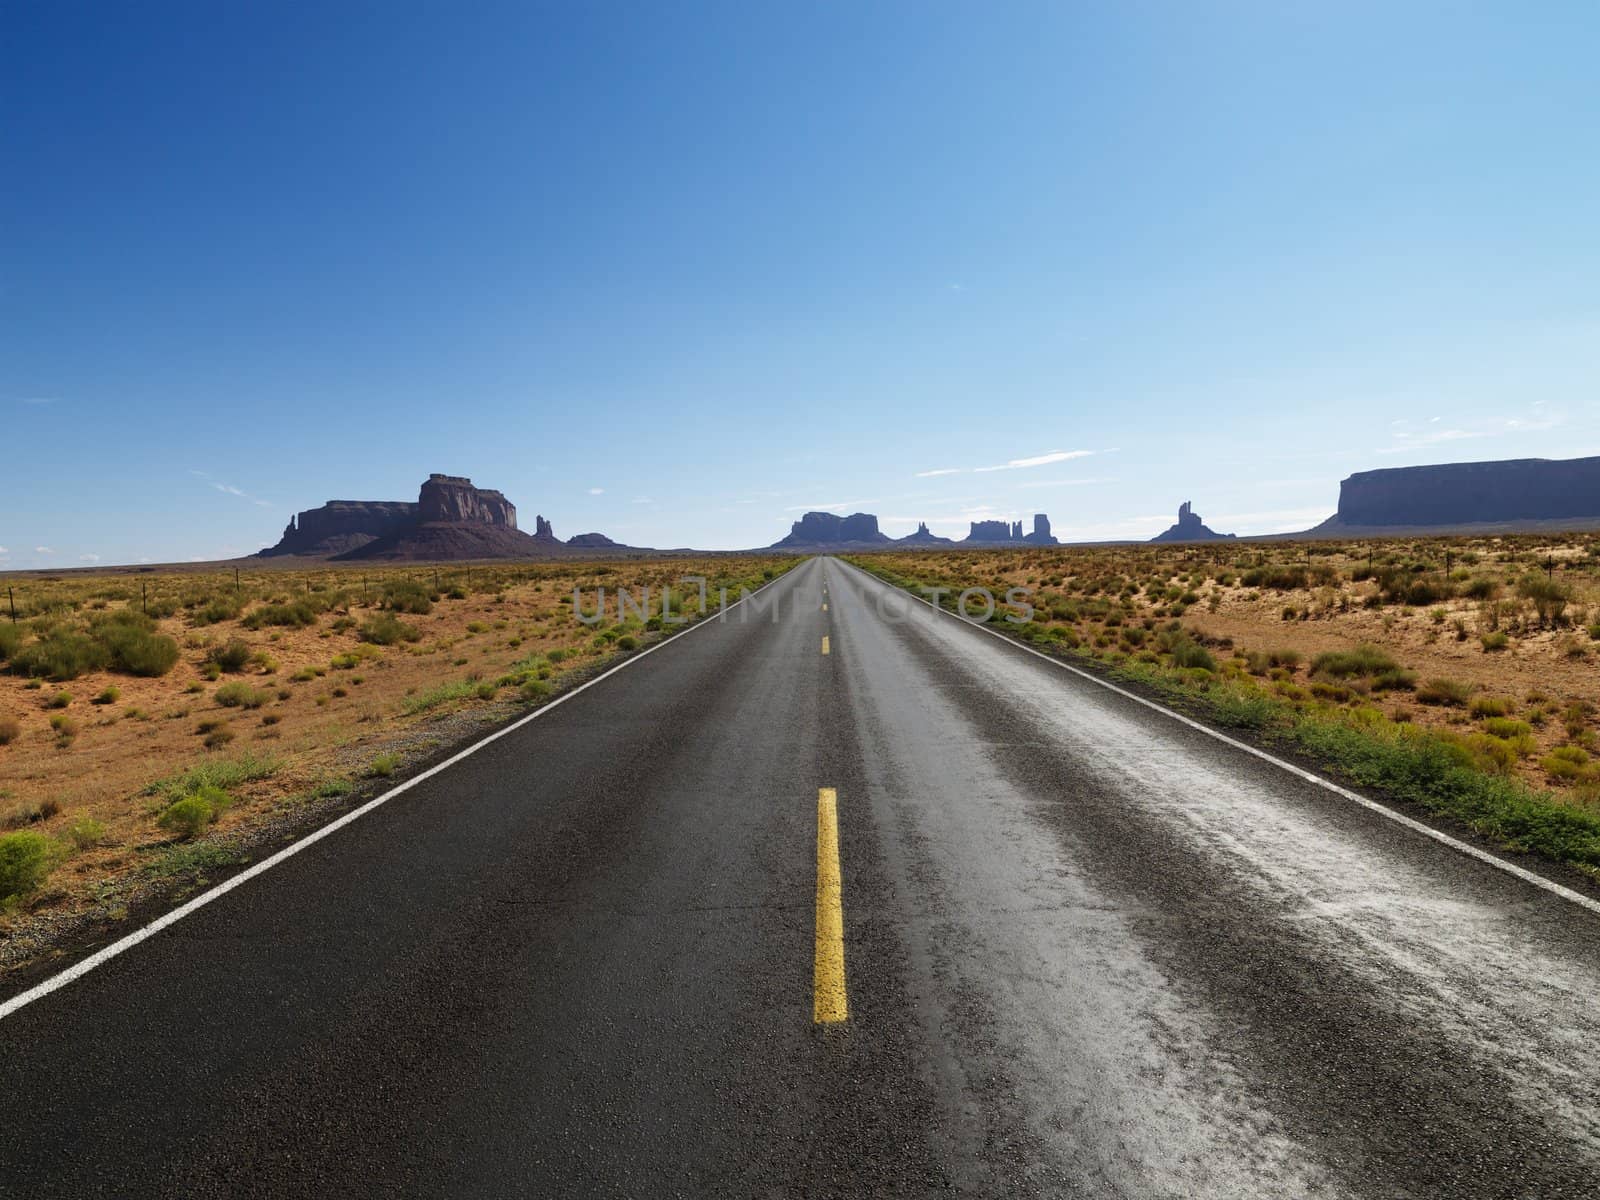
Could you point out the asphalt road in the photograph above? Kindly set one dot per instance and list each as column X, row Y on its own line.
column 1088, row 951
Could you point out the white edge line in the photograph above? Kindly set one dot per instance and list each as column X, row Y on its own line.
column 1467, row 848
column 107, row 953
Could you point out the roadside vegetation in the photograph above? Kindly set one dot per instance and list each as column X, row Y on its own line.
column 155, row 726
column 1455, row 674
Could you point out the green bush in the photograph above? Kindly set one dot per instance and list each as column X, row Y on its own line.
column 60, row 654
column 1445, row 692
column 25, row 861
column 407, row 596
column 1281, row 579
column 189, row 815
column 10, row 730
column 231, row 656
column 10, row 640
column 383, row 765
column 109, row 696
column 133, row 645
column 1549, row 597
column 1363, row 660
column 1186, row 653
column 386, row 629
column 240, row 694
column 86, row 832
column 295, row 615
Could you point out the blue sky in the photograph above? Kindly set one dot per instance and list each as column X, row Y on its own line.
column 680, row 272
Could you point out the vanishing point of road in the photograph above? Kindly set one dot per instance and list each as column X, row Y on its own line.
column 858, row 901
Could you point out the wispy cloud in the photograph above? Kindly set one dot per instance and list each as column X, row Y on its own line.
column 37, row 401
column 1409, row 435
column 643, row 500
column 4, row 551
column 229, row 489
column 597, row 491
column 43, row 550
column 1015, row 464
column 1055, row 483
column 89, row 558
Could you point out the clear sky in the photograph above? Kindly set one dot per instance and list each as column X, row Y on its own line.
column 679, row 272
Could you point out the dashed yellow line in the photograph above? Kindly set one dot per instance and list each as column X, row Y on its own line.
column 824, row 643
column 829, row 1003
column 824, row 606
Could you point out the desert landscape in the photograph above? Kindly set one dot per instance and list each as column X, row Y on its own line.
column 156, row 727
column 1479, row 650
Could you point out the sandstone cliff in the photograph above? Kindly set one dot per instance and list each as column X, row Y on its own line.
column 451, row 519
column 830, row 529
column 1511, row 491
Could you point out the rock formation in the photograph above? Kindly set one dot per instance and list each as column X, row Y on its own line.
column 453, row 498
column 1041, row 535
column 1511, row 491
column 923, row 537
column 1190, row 528
column 451, row 519
column 830, row 529
column 989, row 531
column 1011, row 532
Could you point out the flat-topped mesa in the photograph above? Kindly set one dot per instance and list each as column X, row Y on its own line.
column 453, row 498
column 450, row 520
column 830, row 529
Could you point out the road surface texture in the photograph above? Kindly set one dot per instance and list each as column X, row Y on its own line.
column 1088, row 951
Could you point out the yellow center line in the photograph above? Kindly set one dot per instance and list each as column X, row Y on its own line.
column 824, row 643
column 829, row 1003
column 824, row 606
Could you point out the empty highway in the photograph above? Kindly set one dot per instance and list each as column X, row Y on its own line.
column 857, row 901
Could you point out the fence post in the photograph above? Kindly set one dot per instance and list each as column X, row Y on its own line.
column 12, row 600
column 236, row 581
column 144, row 598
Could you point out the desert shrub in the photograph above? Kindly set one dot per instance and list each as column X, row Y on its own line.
column 294, row 615
column 1550, row 598
column 1507, row 727
column 534, row 690
column 1565, row 762
column 1492, row 706
column 189, row 815
column 1281, row 579
column 60, row 700
column 1494, row 641
column 10, row 640
column 109, row 696
column 407, row 596
column 10, row 730
column 1363, row 660
column 240, row 694
column 133, row 645
column 436, row 696
column 382, row 766
column 25, row 860
column 1481, row 588
column 86, row 832
column 61, row 653
column 1243, row 709
column 231, row 656
column 385, row 629
column 1189, row 654
column 216, row 609
column 1445, row 692
column 65, row 727
column 217, row 738
column 1394, row 681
